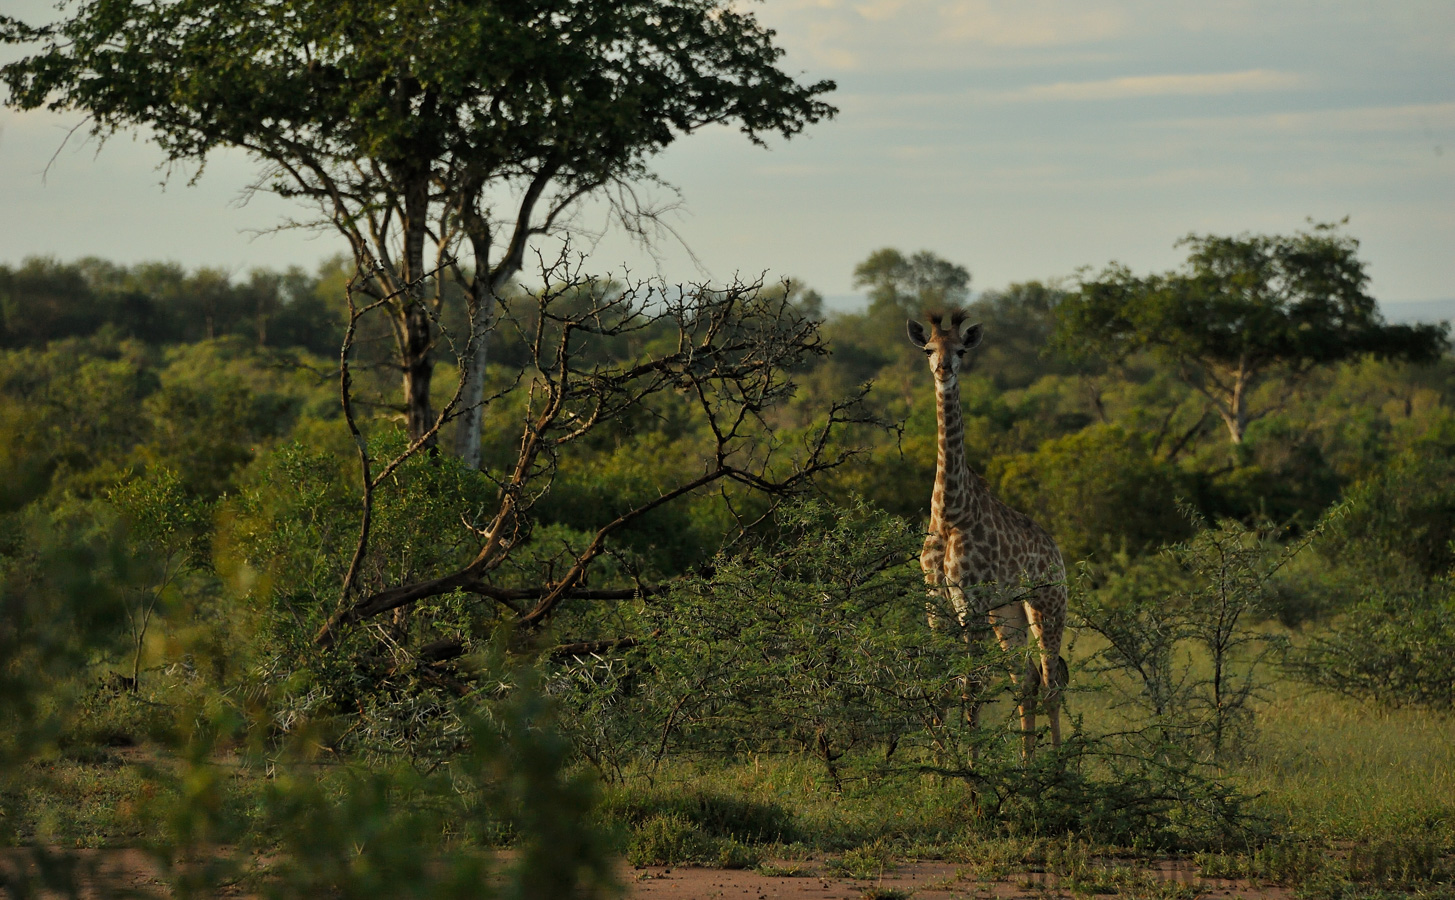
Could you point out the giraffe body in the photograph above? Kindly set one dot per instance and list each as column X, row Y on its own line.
column 986, row 558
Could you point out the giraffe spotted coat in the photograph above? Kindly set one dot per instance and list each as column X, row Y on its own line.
column 988, row 559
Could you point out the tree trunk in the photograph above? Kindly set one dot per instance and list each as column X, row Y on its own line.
column 1236, row 421
column 467, row 427
column 418, row 338
column 1231, row 401
column 417, row 369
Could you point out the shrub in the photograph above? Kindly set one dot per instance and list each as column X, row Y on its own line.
column 1162, row 616
column 666, row 841
column 1393, row 648
column 818, row 645
column 1399, row 525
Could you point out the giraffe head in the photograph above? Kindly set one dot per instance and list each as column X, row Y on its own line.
column 947, row 344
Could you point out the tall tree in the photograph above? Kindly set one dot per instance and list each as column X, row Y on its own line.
column 1241, row 310
column 434, row 134
column 908, row 286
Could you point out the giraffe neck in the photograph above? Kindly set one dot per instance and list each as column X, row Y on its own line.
column 955, row 484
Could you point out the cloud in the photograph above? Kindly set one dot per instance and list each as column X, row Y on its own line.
column 1026, row 25
column 1410, row 118
column 1207, row 84
column 877, row 35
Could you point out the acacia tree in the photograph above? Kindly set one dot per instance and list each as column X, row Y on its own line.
column 1242, row 310
column 907, row 286
column 435, row 136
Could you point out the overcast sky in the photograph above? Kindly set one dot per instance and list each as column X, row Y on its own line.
column 1022, row 139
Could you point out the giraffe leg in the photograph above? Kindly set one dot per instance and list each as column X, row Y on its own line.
column 971, row 688
column 932, row 563
column 1010, row 622
column 1046, row 621
column 937, row 589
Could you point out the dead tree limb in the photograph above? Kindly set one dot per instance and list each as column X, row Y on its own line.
column 598, row 353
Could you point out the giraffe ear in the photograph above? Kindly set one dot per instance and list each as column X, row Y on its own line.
column 970, row 335
column 917, row 334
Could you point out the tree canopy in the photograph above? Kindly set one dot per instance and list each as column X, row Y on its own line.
column 1241, row 309
column 470, row 127
column 907, row 286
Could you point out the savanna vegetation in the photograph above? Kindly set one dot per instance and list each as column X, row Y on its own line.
column 429, row 575
column 256, row 628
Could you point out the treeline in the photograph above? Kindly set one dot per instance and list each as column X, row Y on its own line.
column 125, row 368
column 44, row 300
column 1119, row 454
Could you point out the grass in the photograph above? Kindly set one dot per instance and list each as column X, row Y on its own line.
column 81, row 799
column 1346, row 770
column 1363, row 798
column 864, row 863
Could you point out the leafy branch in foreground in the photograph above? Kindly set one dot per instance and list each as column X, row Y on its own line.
column 599, row 355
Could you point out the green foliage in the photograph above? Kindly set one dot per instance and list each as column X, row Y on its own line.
column 1389, row 558
column 168, row 529
column 811, row 647
column 1135, row 788
column 1241, row 309
column 1393, row 648
column 176, row 522
column 287, row 542
column 1281, row 863
column 60, row 599
column 80, row 416
column 1403, row 864
column 1182, row 654
column 275, row 821
column 695, row 836
column 818, row 645
column 666, row 841
column 716, row 814
column 631, row 470
column 864, row 862
column 413, row 122
column 166, row 67
column 907, row 287
column 1399, row 524
column 1098, row 491
column 1020, row 321
column 44, row 300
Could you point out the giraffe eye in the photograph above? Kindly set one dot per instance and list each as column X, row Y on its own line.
column 929, row 352
column 960, row 352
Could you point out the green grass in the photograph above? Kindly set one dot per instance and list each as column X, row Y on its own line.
column 1363, row 800
column 1340, row 769
column 85, row 798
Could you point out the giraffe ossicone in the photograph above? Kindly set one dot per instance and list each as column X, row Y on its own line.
column 987, row 558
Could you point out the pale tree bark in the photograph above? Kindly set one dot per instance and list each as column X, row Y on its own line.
column 483, row 291
column 1226, row 392
column 467, row 429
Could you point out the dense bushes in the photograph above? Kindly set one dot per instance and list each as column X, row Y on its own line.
column 1394, row 648
column 187, row 514
column 807, row 645
column 1099, row 490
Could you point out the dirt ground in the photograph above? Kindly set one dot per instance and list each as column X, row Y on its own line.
column 785, row 880
column 922, row 880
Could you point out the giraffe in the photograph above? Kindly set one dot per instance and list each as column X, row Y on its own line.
column 985, row 557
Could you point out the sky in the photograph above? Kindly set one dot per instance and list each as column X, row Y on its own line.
column 1023, row 139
